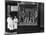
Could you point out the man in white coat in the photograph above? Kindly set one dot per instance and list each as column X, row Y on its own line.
column 10, row 23
column 15, row 22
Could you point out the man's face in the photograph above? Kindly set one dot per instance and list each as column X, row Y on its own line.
column 15, row 16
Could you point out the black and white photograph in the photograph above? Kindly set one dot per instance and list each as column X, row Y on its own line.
column 23, row 17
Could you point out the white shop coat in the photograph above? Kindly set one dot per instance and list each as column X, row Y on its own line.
column 10, row 23
column 15, row 23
